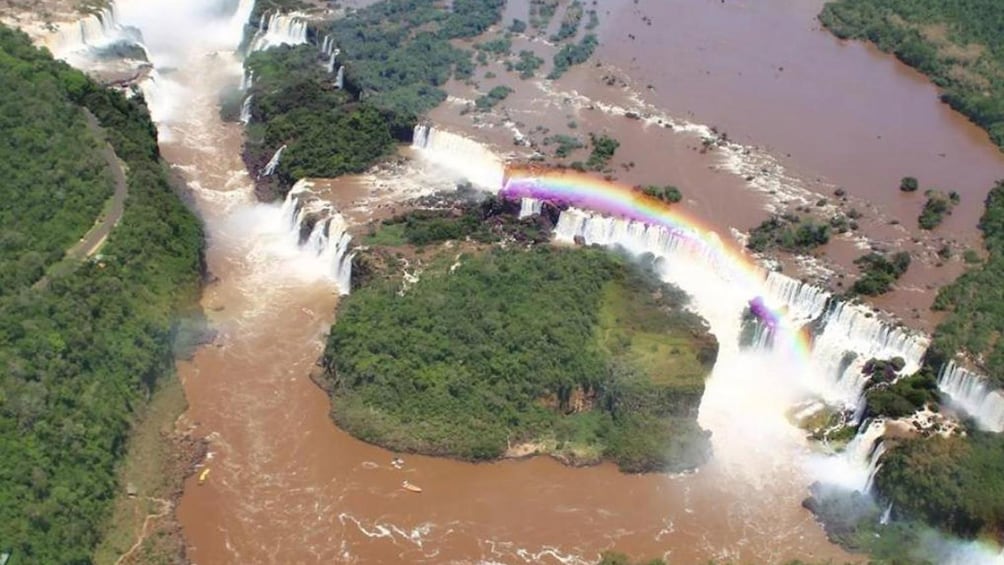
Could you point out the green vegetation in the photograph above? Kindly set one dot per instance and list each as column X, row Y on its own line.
column 604, row 148
column 788, row 233
column 958, row 44
column 485, row 223
column 853, row 520
column 488, row 101
column 570, row 55
column 327, row 132
column 541, row 12
column 617, row 558
column 575, row 351
column 527, row 64
column 54, row 177
column 497, row 46
column 975, row 301
column 902, row 398
column 517, row 26
column 82, row 355
column 936, row 207
column 569, row 23
column 909, row 184
column 878, row 273
column 668, row 193
column 397, row 55
column 566, row 144
column 954, row 483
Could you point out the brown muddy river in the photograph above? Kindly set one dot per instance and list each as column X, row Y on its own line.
column 286, row 486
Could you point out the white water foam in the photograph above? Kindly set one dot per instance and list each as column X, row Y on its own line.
column 277, row 29
column 95, row 31
column 530, row 207
column 974, row 395
column 461, row 156
column 759, row 384
column 270, row 167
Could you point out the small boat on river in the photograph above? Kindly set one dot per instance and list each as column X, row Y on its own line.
column 410, row 487
column 203, row 476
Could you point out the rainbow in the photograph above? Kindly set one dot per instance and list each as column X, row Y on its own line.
column 580, row 190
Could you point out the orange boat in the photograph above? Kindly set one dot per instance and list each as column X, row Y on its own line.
column 410, row 487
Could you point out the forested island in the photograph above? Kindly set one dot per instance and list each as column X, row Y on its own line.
column 83, row 352
column 397, row 57
column 958, row 44
column 458, row 346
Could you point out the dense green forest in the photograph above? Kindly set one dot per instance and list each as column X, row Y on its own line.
column 958, row 44
column 82, row 354
column 295, row 103
column 574, row 349
column 54, row 178
column 955, row 484
column 396, row 56
column 975, row 302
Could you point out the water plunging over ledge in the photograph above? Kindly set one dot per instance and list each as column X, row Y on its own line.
column 287, row 486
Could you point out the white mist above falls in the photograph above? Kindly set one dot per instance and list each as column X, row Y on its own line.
column 459, row 156
column 753, row 389
column 303, row 238
column 840, row 329
column 315, row 227
column 95, row 31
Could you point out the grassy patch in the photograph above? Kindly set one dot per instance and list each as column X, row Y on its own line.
column 632, row 327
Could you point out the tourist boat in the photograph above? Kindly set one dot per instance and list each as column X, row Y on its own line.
column 410, row 487
column 204, row 475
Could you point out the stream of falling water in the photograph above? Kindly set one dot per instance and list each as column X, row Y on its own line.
column 288, row 487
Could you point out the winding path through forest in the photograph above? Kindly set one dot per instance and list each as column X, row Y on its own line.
column 110, row 214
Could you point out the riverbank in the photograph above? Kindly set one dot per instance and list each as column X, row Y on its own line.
column 160, row 454
column 957, row 46
column 87, row 350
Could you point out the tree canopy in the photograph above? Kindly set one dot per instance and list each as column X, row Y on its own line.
column 570, row 346
column 80, row 355
column 958, row 44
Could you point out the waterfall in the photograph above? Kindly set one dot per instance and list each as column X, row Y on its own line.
column 846, row 327
column 874, row 463
column 805, row 302
column 461, row 156
column 845, row 335
column 281, row 29
column 854, row 468
column 246, row 111
column 95, row 31
column 886, row 515
column 316, row 228
column 248, row 80
column 272, row 163
column 530, row 207
column 340, row 77
column 974, row 395
column 331, row 64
